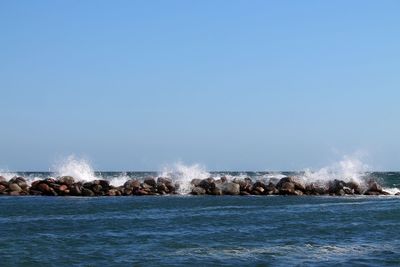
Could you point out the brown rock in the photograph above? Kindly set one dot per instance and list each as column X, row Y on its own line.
column 151, row 182
column 197, row 190
column 15, row 188
column 67, row 180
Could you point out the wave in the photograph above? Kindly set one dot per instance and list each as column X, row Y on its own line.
column 348, row 169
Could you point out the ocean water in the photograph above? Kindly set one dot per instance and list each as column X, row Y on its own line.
column 201, row 230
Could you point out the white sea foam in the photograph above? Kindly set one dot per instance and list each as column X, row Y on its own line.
column 80, row 169
column 184, row 174
column 349, row 169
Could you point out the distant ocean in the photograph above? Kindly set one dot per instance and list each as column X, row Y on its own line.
column 201, row 230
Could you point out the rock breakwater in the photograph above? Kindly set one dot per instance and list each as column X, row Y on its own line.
column 295, row 186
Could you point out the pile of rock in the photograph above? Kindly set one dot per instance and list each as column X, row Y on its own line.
column 284, row 186
column 67, row 186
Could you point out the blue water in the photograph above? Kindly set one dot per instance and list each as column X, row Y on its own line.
column 189, row 230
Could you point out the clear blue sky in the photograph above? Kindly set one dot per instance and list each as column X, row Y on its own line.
column 254, row 85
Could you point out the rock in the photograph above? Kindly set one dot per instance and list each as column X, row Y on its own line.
column 141, row 192
column 105, row 184
column 112, row 192
column 151, row 182
column 35, row 192
column 43, row 187
column 15, row 188
column 97, row 189
column 223, row 179
column 132, row 184
column 164, row 180
column 2, row 188
column 298, row 193
column 230, row 188
column 14, row 193
column 215, row 191
column 195, row 182
column 63, row 188
column 298, row 185
column 20, row 181
column 375, row 187
column 162, row 188
column 67, row 180
column 87, row 192
column 2, row 179
column 259, row 189
column 197, row 190
column 335, row 186
column 207, row 184
column 76, row 190
column 287, row 188
column 397, row 194
column 348, row 190
column 355, row 187
column 88, row 185
column 341, row 192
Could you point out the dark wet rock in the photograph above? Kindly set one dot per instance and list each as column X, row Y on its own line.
column 287, row 188
column 43, row 187
column 375, row 187
column 162, row 188
column 197, row 190
column 348, row 190
column 397, row 194
column 335, row 186
column 164, row 180
column 141, row 192
column 298, row 185
column 260, row 185
column 244, row 193
column 223, row 179
column 316, row 189
column 132, row 184
column 150, row 181
column 195, row 182
column 76, row 190
column 87, row 192
column 88, row 185
column 230, row 188
column 15, row 187
column 216, row 191
column 208, row 184
column 67, row 180
column 259, row 189
column 97, row 189
column 2, row 188
column 355, row 187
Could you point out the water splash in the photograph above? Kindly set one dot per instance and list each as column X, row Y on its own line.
column 80, row 169
column 349, row 169
column 184, row 174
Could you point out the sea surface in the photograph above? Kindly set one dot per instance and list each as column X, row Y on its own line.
column 184, row 230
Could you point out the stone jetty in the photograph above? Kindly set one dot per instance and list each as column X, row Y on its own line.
column 290, row 186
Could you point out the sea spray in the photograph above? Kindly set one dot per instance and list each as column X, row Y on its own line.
column 184, row 174
column 80, row 169
column 349, row 169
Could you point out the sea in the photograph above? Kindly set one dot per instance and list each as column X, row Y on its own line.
column 186, row 230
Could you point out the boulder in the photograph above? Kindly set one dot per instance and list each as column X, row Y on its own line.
column 164, row 180
column 150, row 181
column 20, row 181
column 132, row 184
column 2, row 179
column 87, row 192
column 2, row 188
column 76, row 190
column 397, row 194
column 67, row 180
column 287, row 188
column 298, row 185
column 195, row 182
column 197, row 190
column 15, row 187
column 230, row 188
